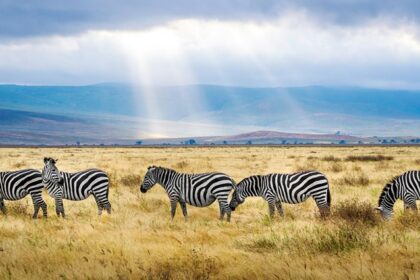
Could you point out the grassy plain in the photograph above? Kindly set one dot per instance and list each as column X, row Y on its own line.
column 139, row 241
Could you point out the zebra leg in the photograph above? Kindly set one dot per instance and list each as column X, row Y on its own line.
column 271, row 207
column 3, row 207
column 173, row 208
column 59, row 207
column 224, row 208
column 102, row 201
column 322, row 203
column 279, row 208
column 184, row 210
column 99, row 205
column 222, row 211
column 38, row 203
column 44, row 209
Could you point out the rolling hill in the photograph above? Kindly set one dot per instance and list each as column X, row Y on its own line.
column 121, row 113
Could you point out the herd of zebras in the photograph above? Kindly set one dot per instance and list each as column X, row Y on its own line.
column 195, row 189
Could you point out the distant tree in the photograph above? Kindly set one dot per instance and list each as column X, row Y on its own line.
column 225, row 142
column 384, row 141
column 78, row 143
column 342, row 142
column 249, row 142
column 190, row 142
column 283, row 142
column 139, row 142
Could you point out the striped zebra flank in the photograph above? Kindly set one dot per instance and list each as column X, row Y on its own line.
column 199, row 190
column 405, row 187
column 76, row 186
column 15, row 185
column 285, row 188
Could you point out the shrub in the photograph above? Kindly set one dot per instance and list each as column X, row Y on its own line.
column 342, row 239
column 17, row 208
column 19, row 164
column 181, row 164
column 409, row 219
column 193, row 265
column 336, row 167
column 131, row 180
column 356, row 211
column 354, row 179
column 330, row 158
column 369, row 158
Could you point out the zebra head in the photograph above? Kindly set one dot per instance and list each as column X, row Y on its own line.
column 149, row 179
column 387, row 200
column 237, row 197
column 50, row 173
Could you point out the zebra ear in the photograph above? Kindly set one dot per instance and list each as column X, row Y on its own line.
column 46, row 160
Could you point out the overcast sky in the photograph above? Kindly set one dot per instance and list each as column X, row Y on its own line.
column 239, row 42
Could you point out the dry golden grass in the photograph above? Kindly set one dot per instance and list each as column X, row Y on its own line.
column 139, row 241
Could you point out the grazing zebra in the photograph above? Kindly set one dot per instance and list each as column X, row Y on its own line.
column 405, row 187
column 16, row 185
column 75, row 186
column 195, row 189
column 288, row 188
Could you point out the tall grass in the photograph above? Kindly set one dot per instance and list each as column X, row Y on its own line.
column 139, row 240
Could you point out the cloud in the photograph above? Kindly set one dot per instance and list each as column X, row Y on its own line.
column 289, row 50
column 51, row 17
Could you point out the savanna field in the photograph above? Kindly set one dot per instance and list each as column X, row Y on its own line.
column 138, row 240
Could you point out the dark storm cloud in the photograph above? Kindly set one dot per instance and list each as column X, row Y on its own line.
column 49, row 17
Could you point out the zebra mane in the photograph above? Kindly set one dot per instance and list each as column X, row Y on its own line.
column 386, row 189
column 162, row 168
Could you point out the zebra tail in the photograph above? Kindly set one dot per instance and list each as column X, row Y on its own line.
column 328, row 196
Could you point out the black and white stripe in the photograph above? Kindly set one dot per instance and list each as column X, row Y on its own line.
column 405, row 187
column 76, row 186
column 288, row 188
column 16, row 185
column 195, row 189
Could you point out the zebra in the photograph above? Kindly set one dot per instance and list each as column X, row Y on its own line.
column 405, row 187
column 15, row 185
column 199, row 190
column 75, row 186
column 288, row 188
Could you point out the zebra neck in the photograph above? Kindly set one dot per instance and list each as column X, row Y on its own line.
column 253, row 189
column 165, row 177
column 392, row 194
